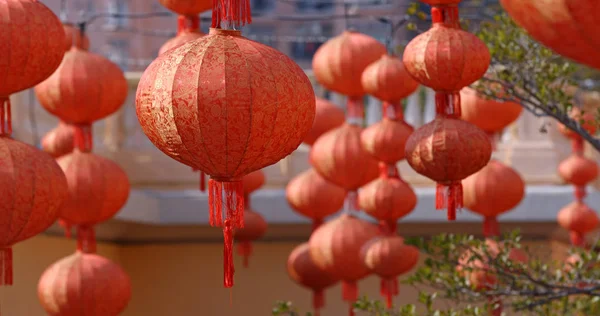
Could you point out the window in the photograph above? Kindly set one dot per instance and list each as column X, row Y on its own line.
column 118, row 52
column 117, row 7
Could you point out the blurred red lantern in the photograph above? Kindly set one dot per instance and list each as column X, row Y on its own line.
column 84, row 284
column 339, row 63
column 389, row 257
column 387, row 80
column 493, row 190
column 327, row 117
column 312, row 196
column 335, row 247
column 489, row 115
column 85, row 88
column 188, row 29
column 302, row 269
column 579, row 171
column 33, row 190
column 75, row 37
column 98, row 189
column 579, row 219
column 60, row 140
column 188, row 7
column 386, row 139
column 387, row 198
column 248, row 107
column 32, row 40
column 565, row 26
column 254, row 228
column 446, row 59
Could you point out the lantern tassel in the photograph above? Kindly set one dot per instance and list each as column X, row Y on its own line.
column 491, row 228
column 6, row 259
column 236, row 12
column 449, row 197
column 349, row 291
column 228, row 267
column 5, row 117
column 388, row 289
column 318, row 301
column 66, row 226
column 245, row 250
column 86, row 239
column 577, row 238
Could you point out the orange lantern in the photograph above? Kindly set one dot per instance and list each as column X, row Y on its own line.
column 335, row 247
column 389, row 257
column 248, row 107
column 387, row 80
column 579, row 219
column 84, row 284
column 188, row 29
column 579, row 171
column 312, row 196
column 327, row 117
column 493, row 190
column 447, row 59
column 302, row 269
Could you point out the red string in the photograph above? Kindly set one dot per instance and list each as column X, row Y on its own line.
column 318, row 301
column 446, row 15
column 491, row 228
column 6, row 260
column 86, row 239
column 5, row 117
column 447, row 104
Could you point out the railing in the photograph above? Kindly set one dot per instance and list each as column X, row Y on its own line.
column 535, row 155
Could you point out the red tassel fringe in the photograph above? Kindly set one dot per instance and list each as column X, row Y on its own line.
column 577, row 239
column 6, row 260
column 450, row 198
column 349, row 291
column 234, row 218
column 83, row 139
column 5, row 117
column 244, row 249
column 318, row 301
column 491, row 228
column 389, row 289
column 236, row 12
column 447, row 104
column 66, row 226
column 86, row 239
column 577, row 145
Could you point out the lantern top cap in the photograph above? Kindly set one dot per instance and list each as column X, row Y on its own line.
column 223, row 32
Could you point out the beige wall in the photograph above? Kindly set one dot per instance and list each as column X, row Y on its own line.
column 186, row 279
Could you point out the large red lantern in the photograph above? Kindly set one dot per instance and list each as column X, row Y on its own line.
column 98, row 189
column 310, row 195
column 84, row 284
column 446, row 59
column 335, row 247
column 327, row 117
column 565, row 26
column 493, row 190
column 32, row 40
column 85, row 88
column 302, row 269
column 389, row 257
column 226, row 106
column 60, row 140
column 188, row 29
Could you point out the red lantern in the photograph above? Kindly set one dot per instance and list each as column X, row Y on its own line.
column 302, row 269
column 386, row 139
column 254, row 228
column 339, row 63
column 335, row 247
column 85, row 88
column 312, row 196
column 387, row 80
column 388, row 198
column 98, row 189
column 188, row 29
column 60, row 140
column 578, row 170
column 74, row 37
column 227, row 106
column 446, row 59
column 489, row 115
column 327, row 117
column 579, row 219
column 493, row 190
column 389, row 257
column 84, row 284
column 33, row 190
column 565, row 26
column 32, row 40
column 188, row 7
column 337, row 154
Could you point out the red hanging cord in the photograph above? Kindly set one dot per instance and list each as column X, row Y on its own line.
column 5, row 117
